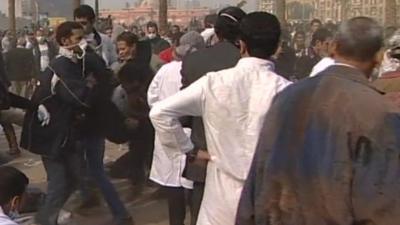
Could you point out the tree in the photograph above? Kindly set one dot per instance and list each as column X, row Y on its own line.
column 13, row 22
column 281, row 10
column 163, row 15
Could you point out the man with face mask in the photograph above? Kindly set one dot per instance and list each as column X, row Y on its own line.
column 71, row 89
column 13, row 184
column 158, row 44
column 101, row 43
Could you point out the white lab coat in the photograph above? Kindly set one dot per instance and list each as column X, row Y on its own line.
column 4, row 219
column 233, row 104
column 167, row 167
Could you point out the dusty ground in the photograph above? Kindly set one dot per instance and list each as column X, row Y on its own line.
column 147, row 208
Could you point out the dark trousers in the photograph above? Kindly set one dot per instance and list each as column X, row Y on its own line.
column 94, row 148
column 63, row 179
column 196, row 198
column 137, row 161
column 176, row 205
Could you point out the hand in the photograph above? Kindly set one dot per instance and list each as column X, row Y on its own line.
column 43, row 115
column 203, row 155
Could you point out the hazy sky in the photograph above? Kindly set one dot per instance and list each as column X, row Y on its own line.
column 117, row 4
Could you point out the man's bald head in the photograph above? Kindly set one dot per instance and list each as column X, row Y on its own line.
column 359, row 39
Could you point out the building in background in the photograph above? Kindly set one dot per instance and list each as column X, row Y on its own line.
column 296, row 9
column 383, row 11
column 142, row 15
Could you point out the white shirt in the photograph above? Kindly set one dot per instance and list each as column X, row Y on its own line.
column 233, row 104
column 167, row 166
column 4, row 219
column 322, row 65
column 207, row 34
column 44, row 56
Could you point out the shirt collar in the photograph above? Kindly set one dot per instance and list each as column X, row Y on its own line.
column 252, row 61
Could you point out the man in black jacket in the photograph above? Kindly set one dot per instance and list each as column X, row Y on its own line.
column 70, row 89
column 225, row 54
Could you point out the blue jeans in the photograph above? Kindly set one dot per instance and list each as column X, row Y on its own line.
column 63, row 179
column 94, row 148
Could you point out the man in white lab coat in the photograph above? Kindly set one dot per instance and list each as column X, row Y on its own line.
column 233, row 104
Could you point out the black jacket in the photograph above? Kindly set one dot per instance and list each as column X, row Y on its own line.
column 20, row 64
column 76, row 110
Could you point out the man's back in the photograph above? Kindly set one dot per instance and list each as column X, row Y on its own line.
column 236, row 101
column 324, row 154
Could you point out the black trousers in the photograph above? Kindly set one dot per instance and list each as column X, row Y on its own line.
column 176, row 205
column 196, row 198
column 137, row 161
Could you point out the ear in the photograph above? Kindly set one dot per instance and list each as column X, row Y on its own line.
column 379, row 57
column 15, row 202
column 333, row 48
column 243, row 48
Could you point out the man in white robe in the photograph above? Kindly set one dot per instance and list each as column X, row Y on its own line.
column 233, row 104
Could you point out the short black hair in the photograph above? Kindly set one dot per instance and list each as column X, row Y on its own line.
column 152, row 24
column 261, row 32
column 359, row 38
column 315, row 21
column 12, row 183
column 65, row 29
column 299, row 33
column 85, row 11
column 129, row 37
column 321, row 35
column 228, row 23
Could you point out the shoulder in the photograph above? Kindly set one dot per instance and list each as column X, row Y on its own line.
column 4, row 220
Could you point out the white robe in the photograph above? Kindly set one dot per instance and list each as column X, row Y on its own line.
column 167, row 167
column 4, row 219
column 233, row 104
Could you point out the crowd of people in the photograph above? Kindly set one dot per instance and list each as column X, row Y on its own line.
column 247, row 122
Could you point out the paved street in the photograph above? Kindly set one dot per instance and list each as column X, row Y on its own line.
column 148, row 208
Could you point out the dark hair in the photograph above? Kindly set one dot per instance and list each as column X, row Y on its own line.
column 65, row 29
column 359, row 38
column 176, row 26
column 12, row 183
column 228, row 22
column 135, row 72
column 299, row 33
column 85, row 11
column 316, row 21
column 210, row 20
column 320, row 35
column 152, row 24
column 129, row 37
column 261, row 32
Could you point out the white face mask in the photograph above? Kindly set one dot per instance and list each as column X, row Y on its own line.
column 40, row 39
column 152, row 36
